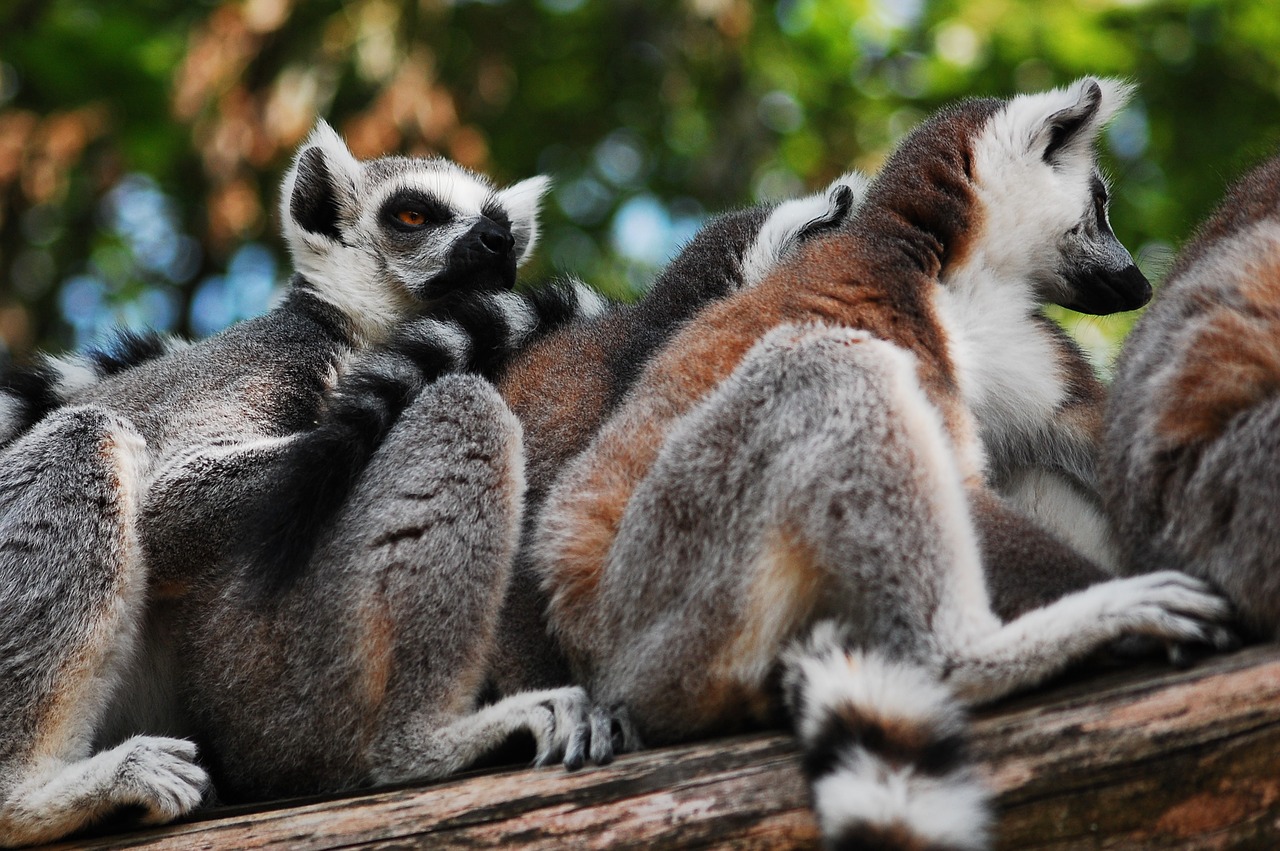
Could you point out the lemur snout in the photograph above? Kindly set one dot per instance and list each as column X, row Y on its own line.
column 489, row 236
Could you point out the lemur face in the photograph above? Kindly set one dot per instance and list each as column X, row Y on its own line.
column 1046, row 201
column 439, row 228
column 418, row 227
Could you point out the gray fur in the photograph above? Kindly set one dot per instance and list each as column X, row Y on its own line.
column 132, row 626
column 827, row 447
column 1192, row 462
column 71, row 486
column 406, row 587
column 592, row 363
column 30, row 391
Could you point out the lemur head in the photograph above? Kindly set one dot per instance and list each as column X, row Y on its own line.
column 740, row 249
column 1043, row 199
column 378, row 237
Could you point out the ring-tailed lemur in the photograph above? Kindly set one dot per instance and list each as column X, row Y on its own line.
column 564, row 386
column 134, row 623
column 1191, row 468
column 807, row 450
column 1041, row 458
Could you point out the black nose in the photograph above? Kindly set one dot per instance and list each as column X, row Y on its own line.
column 1101, row 292
column 1134, row 288
column 489, row 236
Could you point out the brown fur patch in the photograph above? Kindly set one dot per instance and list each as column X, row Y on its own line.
column 171, row 589
column 781, row 597
column 895, row 739
column 375, row 649
column 560, row 390
column 596, row 518
column 1232, row 364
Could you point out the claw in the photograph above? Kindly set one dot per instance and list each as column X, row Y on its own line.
column 576, row 753
column 601, row 722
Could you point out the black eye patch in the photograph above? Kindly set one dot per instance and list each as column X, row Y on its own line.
column 410, row 210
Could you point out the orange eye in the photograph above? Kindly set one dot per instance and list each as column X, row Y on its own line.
column 411, row 217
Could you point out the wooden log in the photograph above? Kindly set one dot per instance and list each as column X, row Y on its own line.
column 1146, row 758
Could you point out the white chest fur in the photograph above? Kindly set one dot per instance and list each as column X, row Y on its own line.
column 1007, row 366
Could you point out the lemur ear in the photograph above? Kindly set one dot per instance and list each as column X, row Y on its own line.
column 1091, row 103
column 521, row 201
column 792, row 222
column 320, row 187
column 843, row 196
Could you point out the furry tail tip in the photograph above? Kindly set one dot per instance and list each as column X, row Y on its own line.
column 884, row 750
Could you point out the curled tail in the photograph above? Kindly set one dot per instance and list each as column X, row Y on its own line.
column 28, row 393
column 477, row 334
column 883, row 749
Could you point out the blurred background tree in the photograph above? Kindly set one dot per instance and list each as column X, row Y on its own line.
column 141, row 143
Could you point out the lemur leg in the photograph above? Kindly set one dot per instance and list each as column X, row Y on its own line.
column 72, row 597
column 816, row 482
column 453, row 479
column 1025, row 565
column 789, row 495
column 366, row 668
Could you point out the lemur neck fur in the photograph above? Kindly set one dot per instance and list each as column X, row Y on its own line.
column 1007, row 367
column 371, row 304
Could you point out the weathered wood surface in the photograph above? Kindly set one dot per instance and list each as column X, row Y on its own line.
column 1147, row 758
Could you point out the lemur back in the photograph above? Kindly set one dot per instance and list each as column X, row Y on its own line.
column 809, row 449
column 564, row 386
column 316, row 428
column 1192, row 462
column 596, row 361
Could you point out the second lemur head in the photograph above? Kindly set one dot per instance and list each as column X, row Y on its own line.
column 739, row 249
column 379, row 238
column 1035, row 165
column 1011, row 191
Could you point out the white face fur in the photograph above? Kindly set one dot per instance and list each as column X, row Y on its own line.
column 374, row 238
column 1045, row 202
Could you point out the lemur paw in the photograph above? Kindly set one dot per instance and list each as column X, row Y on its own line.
column 161, row 776
column 1172, row 606
column 558, row 719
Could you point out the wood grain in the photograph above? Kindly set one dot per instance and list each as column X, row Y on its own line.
column 1146, row 757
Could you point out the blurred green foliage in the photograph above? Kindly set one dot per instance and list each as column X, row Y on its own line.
column 141, row 143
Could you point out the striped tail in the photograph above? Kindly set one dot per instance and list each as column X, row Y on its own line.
column 28, row 393
column 883, row 749
column 478, row 333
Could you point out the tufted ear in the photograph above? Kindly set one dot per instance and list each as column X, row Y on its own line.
column 320, row 188
column 843, row 198
column 521, row 203
column 792, row 222
column 1074, row 121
